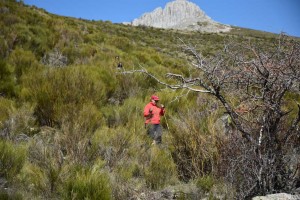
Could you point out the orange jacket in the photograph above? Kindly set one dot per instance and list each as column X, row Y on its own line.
column 154, row 116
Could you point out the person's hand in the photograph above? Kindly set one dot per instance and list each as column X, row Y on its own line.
column 162, row 106
column 150, row 110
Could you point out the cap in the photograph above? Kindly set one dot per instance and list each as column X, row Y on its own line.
column 155, row 98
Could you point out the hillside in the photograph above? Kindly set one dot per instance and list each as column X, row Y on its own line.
column 71, row 121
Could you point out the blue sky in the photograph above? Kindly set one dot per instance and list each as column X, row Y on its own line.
column 267, row 15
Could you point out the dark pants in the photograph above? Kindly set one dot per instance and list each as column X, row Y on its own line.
column 154, row 131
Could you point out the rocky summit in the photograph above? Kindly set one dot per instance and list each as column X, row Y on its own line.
column 181, row 15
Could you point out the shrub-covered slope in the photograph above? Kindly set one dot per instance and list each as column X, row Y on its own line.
column 71, row 124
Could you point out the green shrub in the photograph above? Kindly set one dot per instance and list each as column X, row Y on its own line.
column 12, row 158
column 20, row 36
column 43, row 40
column 22, row 61
column 87, row 184
column 7, row 84
column 97, row 37
column 76, row 136
column 143, row 57
column 157, row 58
column 68, row 35
column 125, row 114
column 113, row 144
column 11, row 19
column 122, row 43
column 5, row 106
column 60, row 94
column 128, row 169
column 49, row 158
column 161, row 170
column 205, row 183
column 112, row 116
column 194, row 140
column 131, row 86
column 4, row 195
column 89, row 118
column 34, row 179
column 21, row 121
column 3, row 48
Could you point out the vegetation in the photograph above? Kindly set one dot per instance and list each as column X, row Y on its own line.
column 71, row 124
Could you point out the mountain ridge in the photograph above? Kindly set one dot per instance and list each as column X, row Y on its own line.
column 181, row 15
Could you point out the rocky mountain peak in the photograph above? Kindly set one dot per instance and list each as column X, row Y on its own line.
column 182, row 15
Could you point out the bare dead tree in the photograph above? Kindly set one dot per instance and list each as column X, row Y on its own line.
column 259, row 78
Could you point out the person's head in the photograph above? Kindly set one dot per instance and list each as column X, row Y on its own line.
column 154, row 99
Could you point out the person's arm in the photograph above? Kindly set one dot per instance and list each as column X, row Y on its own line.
column 147, row 111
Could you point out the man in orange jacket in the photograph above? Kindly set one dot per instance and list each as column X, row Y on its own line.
column 152, row 113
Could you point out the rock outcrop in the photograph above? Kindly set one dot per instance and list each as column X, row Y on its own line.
column 182, row 15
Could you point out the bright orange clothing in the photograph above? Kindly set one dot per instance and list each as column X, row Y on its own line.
column 154, row 116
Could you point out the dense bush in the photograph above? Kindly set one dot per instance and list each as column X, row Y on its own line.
column 7, row 83
column 5, row 107
column 12, row 158
column 60, row 94
column 34, row 180
column 194, row 140
column 3, row 48
column 22, row 61
column 161, row 170
column 20, row 122
column 87, row 184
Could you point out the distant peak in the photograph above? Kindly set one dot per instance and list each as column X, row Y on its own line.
column 180, row 14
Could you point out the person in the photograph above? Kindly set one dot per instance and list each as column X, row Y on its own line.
column 152, row 113
column 120, row 65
